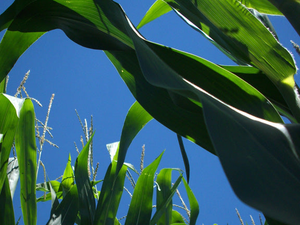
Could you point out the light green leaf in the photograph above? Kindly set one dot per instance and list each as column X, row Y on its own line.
column 9, row 112
column 165, row 193
column 159, row 8
column 194, row 206
column 140, row 208
column 262, row 6
column 68, row 177
column 26, row 153
column 85, row 191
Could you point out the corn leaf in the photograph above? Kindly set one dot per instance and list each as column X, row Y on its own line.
column 136, row 118
column 85, row 191
column 159, row 8
column 262, row 6
column 9, row 117
column 262, row 160
column 194, row 206
column 140, row 208
column 68, row 177
column 7, row 215
column 110, row 195
column 26, row 153
column 165, row 193
column 66, row 212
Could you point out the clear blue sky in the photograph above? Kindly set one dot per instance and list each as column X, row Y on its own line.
column 85, row 80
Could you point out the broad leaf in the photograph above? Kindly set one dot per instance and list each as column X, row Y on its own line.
column 260, row 159
column 26, row 152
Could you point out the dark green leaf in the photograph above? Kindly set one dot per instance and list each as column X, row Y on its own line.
column 26, row 153
column 140, row 208
column 260, row 159
column 66, row 212
column 7, row 215
column 85, row 191
column 184, row 157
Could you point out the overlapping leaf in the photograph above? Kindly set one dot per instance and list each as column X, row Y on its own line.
column 262, row 160
column 85, row 191
column 7, row 215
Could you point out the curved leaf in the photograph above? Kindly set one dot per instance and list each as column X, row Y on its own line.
column 68, row 177
column 194, row 206
column 159, row 8
column 184, row 157
column 26, row 153
column 262, row 160
column 136, row 118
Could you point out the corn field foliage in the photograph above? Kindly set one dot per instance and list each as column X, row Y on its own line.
column 235, row 112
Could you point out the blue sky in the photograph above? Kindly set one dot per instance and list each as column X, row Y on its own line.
column 85, row 80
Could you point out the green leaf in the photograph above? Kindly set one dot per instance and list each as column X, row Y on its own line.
column 66, row 212
column 9, row 117
column 3, row 86
column 26, row 153
column 159, row 8
column 177, row 218
column 140, row 208
column 260, row 159
column 290, row 9
column 262, row 6
column 194, row 206
column 110, row 195
column 7, row 215
column 45, row 187
column 136, row 118
column 85, row 191
column 184, row 157
column 68, row 177
column 165, row 193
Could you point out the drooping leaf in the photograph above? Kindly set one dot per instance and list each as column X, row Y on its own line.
column 140, row 208
column 261, row 162
column 184, row 157
column 159, row 8
column 26, row 152
column 290, row 9
column 136, row 118
column 7, row 215
column 85, row 191
column 177, row 218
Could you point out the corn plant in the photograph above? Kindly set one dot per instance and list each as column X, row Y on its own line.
column 235, row 112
